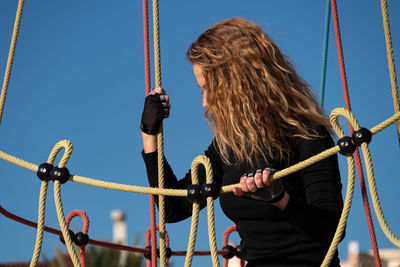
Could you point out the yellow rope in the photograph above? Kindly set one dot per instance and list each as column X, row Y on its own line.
column 292, row 169
column 391, row 64
column 195, row 214
column 349, row 193
column 40, row 225
column 181, row 192
column 57, row 196
column 160, row 136
column 11, row 57
column 42, row 205
column 63, row 225
column 370, row 172
column 210, row 213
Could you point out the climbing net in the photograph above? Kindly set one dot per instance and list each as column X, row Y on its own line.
column 346, row 145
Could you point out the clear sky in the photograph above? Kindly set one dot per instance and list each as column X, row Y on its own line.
column 78, row 75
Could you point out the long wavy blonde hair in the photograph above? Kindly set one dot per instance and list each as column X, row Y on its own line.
column 256, row 102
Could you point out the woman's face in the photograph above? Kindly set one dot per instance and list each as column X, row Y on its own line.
column 198, row 72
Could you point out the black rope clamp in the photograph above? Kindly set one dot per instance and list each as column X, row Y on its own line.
column 60, row 174
column 194, row 193
column 231, row 252
column 346, row 145
column 44, row 170
column 210, row 190
column 47, row 172
column 147, row 255
column 361, row 136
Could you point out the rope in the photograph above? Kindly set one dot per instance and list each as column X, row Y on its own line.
column 360, row 172
column 195, row 214
column 348, row 200
column 40, row 226
column 391, row 64
column 210, row 212
column 101, row 243
column 371, row 176
column 324, row 54
column 85, row 230
column 160, row 136
column 148, row 242
column 63, row 224
column 148, row 87
column 57, row 196
column 10, row 59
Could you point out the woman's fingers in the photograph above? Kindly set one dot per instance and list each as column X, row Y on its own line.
column 243, row 184
column 237, row 191
column 265, row 177
column 258, row 179
column 251, row 185
column 159, row 90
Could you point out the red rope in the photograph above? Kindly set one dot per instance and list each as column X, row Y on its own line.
column 146, row 46
column 356, row 152
column 148, row 87
column 85, row 230
column 225, row 240
column 149, row 240
column 102, row 243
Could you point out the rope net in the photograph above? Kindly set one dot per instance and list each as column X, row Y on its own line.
column 64, row 175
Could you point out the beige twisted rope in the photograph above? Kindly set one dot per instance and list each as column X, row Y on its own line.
column 40, row 225
column 160, row 137
column 63, row 225
column 57, row 197
column 195, row 213
column 181, row 192
column 391, row 64
column 11, row 57
column 210, row 214
column 349, row 193
column 42, row 206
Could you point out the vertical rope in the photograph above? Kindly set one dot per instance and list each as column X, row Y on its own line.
column 146, row 46
column 11, row 57
column 148, row 88
column 63, row 225
column 160, row 137
column 325, row 54
column 210, row 213
column 391, row 65
column 356, row 152
column 195, row 216
column 40, row 224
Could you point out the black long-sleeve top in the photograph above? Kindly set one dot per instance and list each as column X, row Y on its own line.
column 300, row 234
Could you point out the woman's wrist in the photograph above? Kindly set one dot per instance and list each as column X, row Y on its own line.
column 282, row 203
column 149, row 143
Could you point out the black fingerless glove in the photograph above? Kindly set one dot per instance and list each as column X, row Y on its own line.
column 272, row 193
column 154, row 111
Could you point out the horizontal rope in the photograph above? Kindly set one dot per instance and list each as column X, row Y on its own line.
column 94, row 242
column 183, row 192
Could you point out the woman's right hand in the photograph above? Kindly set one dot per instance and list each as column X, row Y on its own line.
column 156, row 108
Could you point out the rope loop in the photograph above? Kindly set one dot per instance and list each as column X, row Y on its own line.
column 83, row 215
column 348, row 115
column 67, row 153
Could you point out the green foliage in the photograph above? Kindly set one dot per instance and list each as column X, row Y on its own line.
column 99, row 257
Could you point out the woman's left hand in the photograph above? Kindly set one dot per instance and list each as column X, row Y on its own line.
column 257, row 185
column 251, row 182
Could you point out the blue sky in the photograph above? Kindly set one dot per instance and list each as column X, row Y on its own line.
column 78, row 75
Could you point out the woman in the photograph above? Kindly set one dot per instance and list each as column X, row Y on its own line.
column 264, row 118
